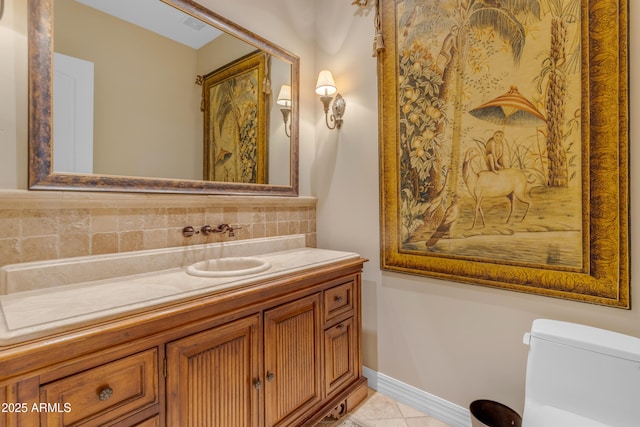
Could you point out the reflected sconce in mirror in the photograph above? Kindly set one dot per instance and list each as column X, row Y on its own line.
column 284, row 100
column 326, row 87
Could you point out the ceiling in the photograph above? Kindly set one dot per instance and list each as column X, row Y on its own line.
column 160, row 18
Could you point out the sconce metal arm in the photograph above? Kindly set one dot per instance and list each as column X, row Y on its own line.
column 285, row 116
column 337, row 108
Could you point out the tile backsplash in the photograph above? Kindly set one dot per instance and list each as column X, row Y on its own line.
column 41, row 225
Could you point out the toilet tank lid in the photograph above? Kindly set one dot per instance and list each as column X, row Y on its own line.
column 588, row 338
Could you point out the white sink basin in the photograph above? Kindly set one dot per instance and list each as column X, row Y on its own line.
column 228, row 267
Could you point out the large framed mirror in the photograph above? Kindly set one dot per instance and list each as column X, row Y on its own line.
column 119, row 101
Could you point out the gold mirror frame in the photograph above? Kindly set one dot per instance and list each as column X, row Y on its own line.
column 604, row 275
column 41, row 174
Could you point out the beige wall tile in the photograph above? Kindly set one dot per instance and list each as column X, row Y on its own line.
column 155, row 218
column 130, row 241
column 176, row 217
column 71, row 245
column 195, row 217
column 104, row 220
column 74, row 221
column 259, row 230
column 271, row 214
column 214, row 216
column 39, row 248
column 130, row 219
column 9, row 223
column 39, row 222
column 50, row 225
column 104, row 243
column 10, row 251
column 231, row 215
column 154, row 239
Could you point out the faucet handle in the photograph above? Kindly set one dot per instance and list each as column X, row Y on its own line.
column 206, row 230
column 189, row 231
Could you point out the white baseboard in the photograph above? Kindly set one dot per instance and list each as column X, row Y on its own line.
column 443, row 410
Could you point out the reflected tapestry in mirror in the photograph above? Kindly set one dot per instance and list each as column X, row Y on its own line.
column 234, row 120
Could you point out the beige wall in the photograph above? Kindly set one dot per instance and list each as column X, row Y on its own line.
column 147, row 107
column 459, row 342
column 456, row 341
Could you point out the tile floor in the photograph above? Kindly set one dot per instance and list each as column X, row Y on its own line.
column 379, row 410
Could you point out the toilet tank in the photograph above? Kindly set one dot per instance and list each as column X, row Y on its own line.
column 581, row 376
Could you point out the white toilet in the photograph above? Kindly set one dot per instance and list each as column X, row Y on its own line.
column 579, row 376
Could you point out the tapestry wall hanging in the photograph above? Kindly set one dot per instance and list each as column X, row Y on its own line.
column 235, row 118
column 504, row 144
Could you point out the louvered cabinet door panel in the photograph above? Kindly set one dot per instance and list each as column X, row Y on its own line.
column 292, row 343
column 212, row 375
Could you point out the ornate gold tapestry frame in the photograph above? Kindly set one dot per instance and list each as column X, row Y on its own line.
column 504, row 145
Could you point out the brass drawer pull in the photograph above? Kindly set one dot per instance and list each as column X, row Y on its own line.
column 105, row 393
column 257, row 384
column 270, row 376
column 340, row 326
column 339, row 298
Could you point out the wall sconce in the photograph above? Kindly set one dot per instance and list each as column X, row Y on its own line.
column 284, row 99
column 326, row 87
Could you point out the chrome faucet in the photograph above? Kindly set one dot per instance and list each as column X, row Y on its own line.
column 222, row 228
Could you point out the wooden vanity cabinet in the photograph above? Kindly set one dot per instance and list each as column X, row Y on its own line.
column 281, row 353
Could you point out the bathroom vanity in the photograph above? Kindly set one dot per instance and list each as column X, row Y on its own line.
column 280, row 347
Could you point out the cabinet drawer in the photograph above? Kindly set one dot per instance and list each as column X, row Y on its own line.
column 103, row 393
column 338, row 300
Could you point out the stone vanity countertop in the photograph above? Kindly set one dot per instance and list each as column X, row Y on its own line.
column 44, row 311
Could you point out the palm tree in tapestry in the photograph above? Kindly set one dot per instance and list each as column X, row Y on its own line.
column 224, row 102
column 233, row 98
column 556, row 68
column 504, row 17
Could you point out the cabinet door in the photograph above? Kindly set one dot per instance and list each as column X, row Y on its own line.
column 17, row 402
column 212, row 377
column 341, row 358
column 292, row 359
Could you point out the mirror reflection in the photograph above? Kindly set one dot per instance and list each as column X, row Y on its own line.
column 137, row 67
column 143, row 90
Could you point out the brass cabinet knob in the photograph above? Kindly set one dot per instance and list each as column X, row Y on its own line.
column 257, row 384
column 270, row 376
column 105, row 393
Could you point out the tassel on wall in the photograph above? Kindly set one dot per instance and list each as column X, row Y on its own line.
column 200, row 82
column 378, row 39
column 266, row 82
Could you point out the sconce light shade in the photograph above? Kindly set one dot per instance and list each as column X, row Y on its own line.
column 284, row 97
column 284, row 100
column 325, row 86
